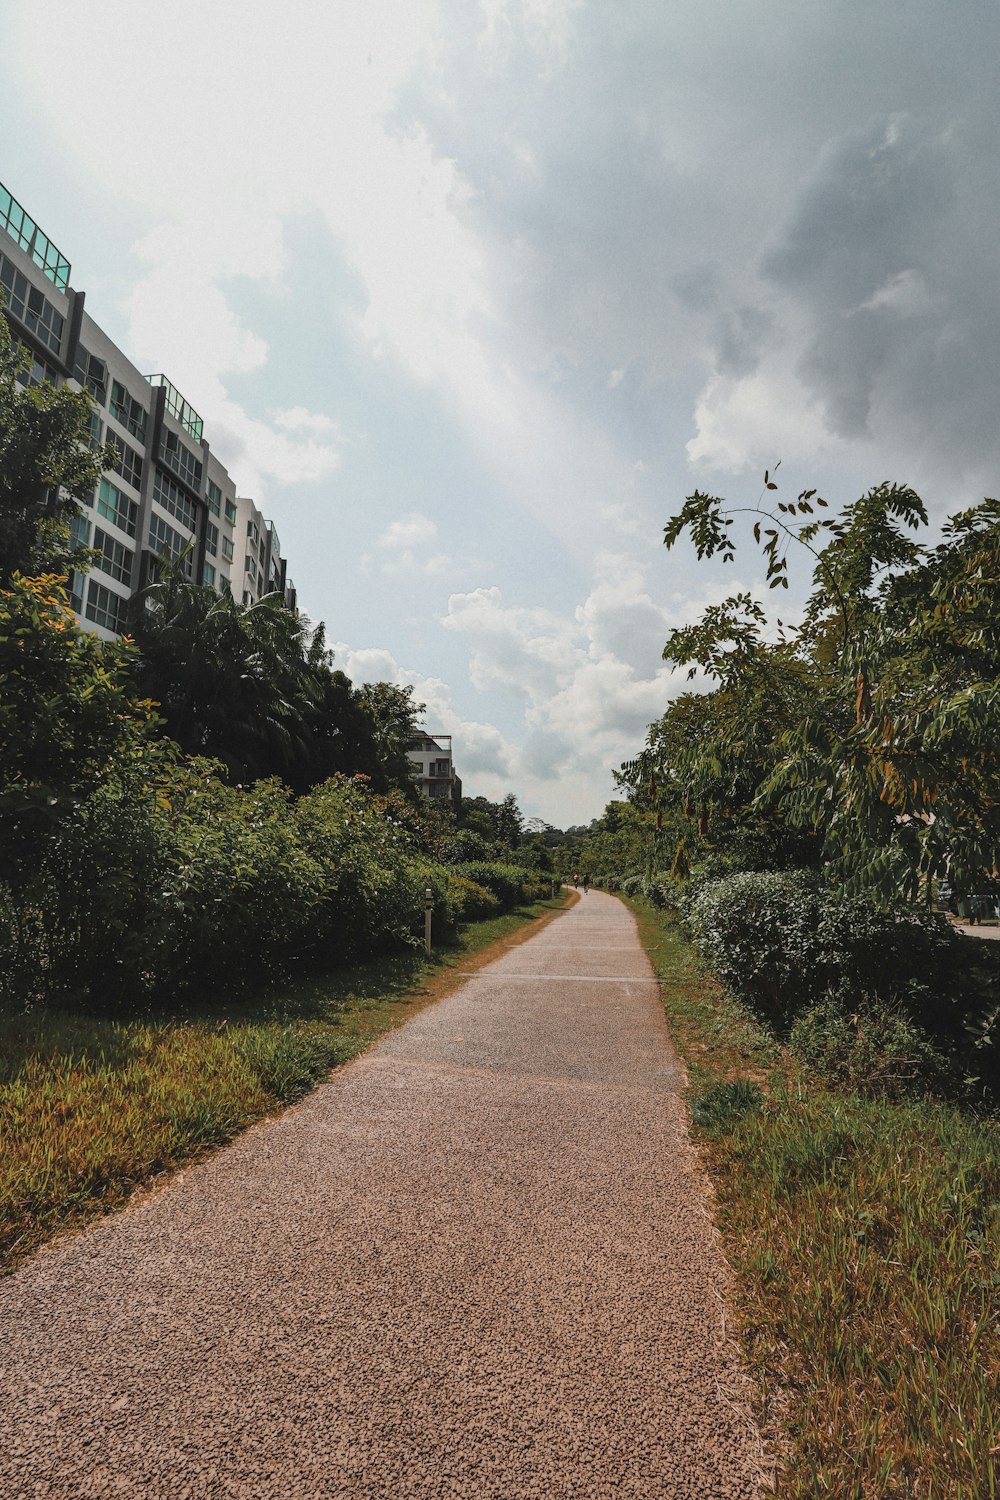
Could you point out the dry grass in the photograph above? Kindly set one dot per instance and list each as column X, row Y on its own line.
column 90, row 1109
column 866, row 1239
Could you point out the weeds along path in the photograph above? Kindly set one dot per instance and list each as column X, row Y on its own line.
column 478, row 1262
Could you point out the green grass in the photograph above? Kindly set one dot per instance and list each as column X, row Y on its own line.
column 866, row 1241
column 91, row 1108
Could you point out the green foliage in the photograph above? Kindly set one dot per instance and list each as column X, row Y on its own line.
column 721, row 1106
column 510, row 884
column 47, row 465
column 876, row 1049
column 779, row 940
column 864, row 740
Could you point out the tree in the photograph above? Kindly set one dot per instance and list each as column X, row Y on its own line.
column 231, row 680
column 394, row 718
column 870, row 728
column 47, row 466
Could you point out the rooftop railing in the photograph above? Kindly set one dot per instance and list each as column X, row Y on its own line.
column 180, row 409
column 22, row 228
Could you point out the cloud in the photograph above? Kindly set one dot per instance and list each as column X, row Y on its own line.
column 481, row 750
column 408, row 531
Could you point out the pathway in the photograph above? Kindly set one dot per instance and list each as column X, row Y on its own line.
column 478, row 1262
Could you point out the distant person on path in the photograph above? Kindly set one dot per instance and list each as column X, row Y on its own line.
column 576, row 881
column 586, row 884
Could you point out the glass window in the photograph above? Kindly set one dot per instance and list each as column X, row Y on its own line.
column 212, row 540
column 227, row 549
column 173, row 499
column 214, row 495
column 38, row 371
column 115, row 559
column 129, row 412
column 179, row 458
column 79, row 533
column 92, row 374
column 30, row 307
column 129, row 464
column 164, row 539
column 116, row 507
column 207, row 573
column 96, row 430
column 104, row 607
column 230, row 513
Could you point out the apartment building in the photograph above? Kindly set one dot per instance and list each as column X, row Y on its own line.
column 430, row 757
column 168, row 496
column 264, row 570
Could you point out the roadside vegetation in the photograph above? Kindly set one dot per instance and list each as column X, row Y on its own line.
column 864, row 1229
column 793, row 830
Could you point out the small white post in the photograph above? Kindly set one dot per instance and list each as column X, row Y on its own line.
column 428, row 917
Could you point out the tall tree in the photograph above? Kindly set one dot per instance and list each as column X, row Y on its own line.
column 47, row 466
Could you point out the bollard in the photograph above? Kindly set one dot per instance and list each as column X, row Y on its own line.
column 428, row 917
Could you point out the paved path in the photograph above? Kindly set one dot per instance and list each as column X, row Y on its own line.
column 478, row 1262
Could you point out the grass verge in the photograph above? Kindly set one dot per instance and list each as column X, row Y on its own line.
column 90, row 1108
column 866, row 1241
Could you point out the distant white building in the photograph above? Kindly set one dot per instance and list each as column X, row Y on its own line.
column 433, row 768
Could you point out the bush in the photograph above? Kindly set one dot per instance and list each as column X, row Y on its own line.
column 874, row 1049
column 471, row 902
column 510, row 884
column 779, row 940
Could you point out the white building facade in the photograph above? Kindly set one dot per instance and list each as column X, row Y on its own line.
column 168, row 496
column 430, row 757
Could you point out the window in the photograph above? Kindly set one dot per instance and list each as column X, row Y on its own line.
column 179, row 458
column 92, row 374
column 214, row 495
column 173, row 499
column 230, row 513
column 227, row 549
column 116, row 507
column 79, row 533
column 75, row 591
column 129, row 464
column 129, row 412
column 115, row 559
column 164, row 539
column 96, row 430
column 37, row 371
column 30, row 307
column 207, row 573
column 104, row 607
column 225, row 587
column 212, row 540
column 252, row 532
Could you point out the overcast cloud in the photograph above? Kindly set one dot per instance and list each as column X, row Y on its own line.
column 471, row 295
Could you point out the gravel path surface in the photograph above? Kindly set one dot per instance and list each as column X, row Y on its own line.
column 478, row 1262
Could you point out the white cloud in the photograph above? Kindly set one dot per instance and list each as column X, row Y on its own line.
column 408, row 531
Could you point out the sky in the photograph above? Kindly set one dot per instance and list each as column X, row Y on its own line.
column 472, row 293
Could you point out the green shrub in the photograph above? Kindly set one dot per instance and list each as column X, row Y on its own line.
column 780, row 940
column 472, row 902
column 510, row 884
column 876, row 1049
